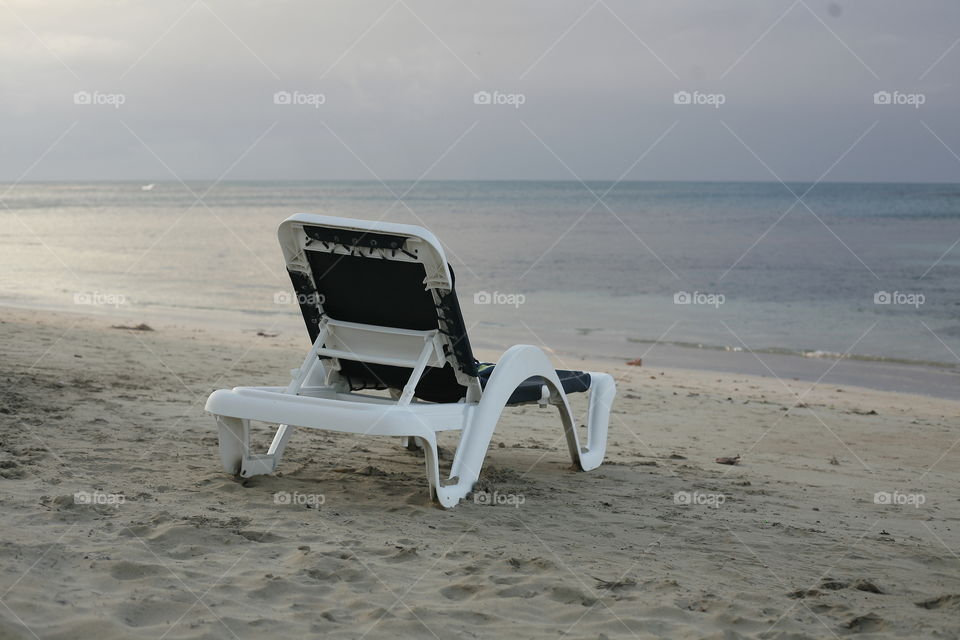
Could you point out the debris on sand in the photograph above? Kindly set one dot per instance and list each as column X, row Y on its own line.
column 635, row 363
column 726, row 460
column 139, row 327
column 264, row 334
column 613, row 585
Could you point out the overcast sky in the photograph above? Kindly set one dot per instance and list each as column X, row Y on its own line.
column 397, row 81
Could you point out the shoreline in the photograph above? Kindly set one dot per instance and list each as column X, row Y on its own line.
column 936, row 380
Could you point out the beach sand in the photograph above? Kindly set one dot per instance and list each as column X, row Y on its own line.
column 788, row 544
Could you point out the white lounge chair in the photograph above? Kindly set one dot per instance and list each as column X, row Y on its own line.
column 379, row 304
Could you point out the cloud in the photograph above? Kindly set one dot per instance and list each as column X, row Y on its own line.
column 398, row 80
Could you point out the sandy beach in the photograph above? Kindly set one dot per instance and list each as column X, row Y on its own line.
column 746, row 214
column 117, row 521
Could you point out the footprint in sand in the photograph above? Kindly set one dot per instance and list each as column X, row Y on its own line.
column 869, row 623
column 260, row 536
column 524, row 591
column 404, row 555
column 467, row 617
column 459, row 592
column 951, row 600
column 569, row 595
column 125, row 570
column 149, row 612
column 535, row 565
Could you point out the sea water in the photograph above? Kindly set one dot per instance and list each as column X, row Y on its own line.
column 870, row 271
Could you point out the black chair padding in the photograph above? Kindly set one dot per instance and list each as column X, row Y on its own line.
column 387, row 293
column 530, row 389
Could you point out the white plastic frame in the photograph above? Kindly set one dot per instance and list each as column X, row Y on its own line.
column 317, row 399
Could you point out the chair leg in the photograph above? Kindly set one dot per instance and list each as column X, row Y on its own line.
column 234, row 440
column 410, row 443
column 279, row 443
column 235, row 455
column 516, row 365
column 447, row 494
column 602, row 392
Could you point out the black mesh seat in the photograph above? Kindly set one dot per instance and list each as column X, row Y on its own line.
column 530, row 390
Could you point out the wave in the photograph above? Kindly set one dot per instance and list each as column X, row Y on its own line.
column 804, row 353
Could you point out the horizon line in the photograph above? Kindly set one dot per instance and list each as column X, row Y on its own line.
column 452, row 180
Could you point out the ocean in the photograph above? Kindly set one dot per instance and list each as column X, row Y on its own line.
column 869, row 271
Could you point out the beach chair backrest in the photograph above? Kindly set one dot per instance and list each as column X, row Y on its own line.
column 378, row 292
